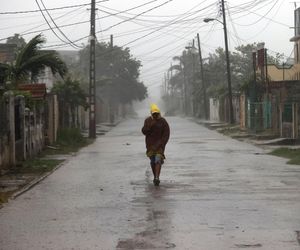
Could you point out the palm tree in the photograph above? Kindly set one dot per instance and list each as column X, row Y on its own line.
column 30, row 61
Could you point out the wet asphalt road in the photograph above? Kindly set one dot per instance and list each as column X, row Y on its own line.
column 216, row 193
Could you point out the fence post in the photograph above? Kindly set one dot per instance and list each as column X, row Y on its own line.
column 11, row 127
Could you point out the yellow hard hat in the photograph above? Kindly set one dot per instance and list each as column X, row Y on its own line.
column 154, row 109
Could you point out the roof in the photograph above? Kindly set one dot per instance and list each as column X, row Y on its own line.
column 295, row 38
column 37, row 90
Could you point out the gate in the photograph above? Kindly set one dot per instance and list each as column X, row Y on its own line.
column 287, row 121
column 255, row 116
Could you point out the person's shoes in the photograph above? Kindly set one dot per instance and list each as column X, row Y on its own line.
column 156, row 182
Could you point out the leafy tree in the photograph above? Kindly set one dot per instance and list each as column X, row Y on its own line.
column 117, row 73
column 241, row 65
column 70, row 96
column 30, row 61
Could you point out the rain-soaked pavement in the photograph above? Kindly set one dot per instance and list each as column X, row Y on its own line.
column 216, row 193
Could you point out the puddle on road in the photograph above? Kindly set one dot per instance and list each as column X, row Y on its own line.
column 191, row 142
column 258, row 245
column 129, row 244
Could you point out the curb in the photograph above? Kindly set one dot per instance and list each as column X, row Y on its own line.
column 34, row 182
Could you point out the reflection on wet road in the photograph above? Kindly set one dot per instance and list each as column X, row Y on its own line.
column 215, row 193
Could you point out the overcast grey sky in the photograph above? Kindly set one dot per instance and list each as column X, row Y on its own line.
column 157, row 30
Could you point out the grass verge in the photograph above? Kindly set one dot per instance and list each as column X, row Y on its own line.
column 37, row 166
column 289, row 153
column 69, row 141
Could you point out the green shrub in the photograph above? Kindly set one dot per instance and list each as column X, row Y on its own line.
column 69, row 136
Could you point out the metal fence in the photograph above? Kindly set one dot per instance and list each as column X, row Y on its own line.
column 264, row 115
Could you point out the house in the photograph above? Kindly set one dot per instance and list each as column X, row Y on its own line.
column 280, row 106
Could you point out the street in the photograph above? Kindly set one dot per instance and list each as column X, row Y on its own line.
column 216, row 193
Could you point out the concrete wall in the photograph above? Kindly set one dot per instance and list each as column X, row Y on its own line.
column 243, row 112
column 52, row 119
column 214, row 107
column 25, row 134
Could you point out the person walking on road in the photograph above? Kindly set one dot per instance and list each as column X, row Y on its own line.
column 157, row 132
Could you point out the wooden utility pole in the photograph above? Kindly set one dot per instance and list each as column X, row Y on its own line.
column 111, row 101
column 202, row 79
column 254, row 75
column 92, row 87
column 231, row 117
column 266, row 73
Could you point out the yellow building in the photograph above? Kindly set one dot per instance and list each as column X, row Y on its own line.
column 283, row 87
column 283, row 73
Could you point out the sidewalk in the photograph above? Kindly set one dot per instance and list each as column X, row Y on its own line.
column 264, row 139
column 15, row 183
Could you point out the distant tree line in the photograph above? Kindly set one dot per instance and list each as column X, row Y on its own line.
column 186, row 77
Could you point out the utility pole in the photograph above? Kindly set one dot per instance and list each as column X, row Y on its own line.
column 253, row 118
column 111, row 41
column 165, row 83
column 92, row 87
column 184, row 89
column 111, row 104
column 266, row 72
column 202, row 78
column 228, row 65
column 254, row 75
column 169, row 84
column 193, row 104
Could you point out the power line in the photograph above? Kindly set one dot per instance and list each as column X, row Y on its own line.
column 133, row 8
column 72, row 43
column 140, row 21
column 164, row 26
column 232, row 25
column 183, row 36
column 132, row 18
column 167, row 59
column 144, row 20
column 169, row 24
column 155, row 16
column 48, row 22
column 255, row 13
column 43, row 30
column 58, row 8
column 108, row 28
column 255, row 6
column 263, row 29
column 40, row 25
column 263, row 16
column 56, row 18
column 82, row 22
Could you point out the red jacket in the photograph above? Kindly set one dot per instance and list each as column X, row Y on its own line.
column 157, row 134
